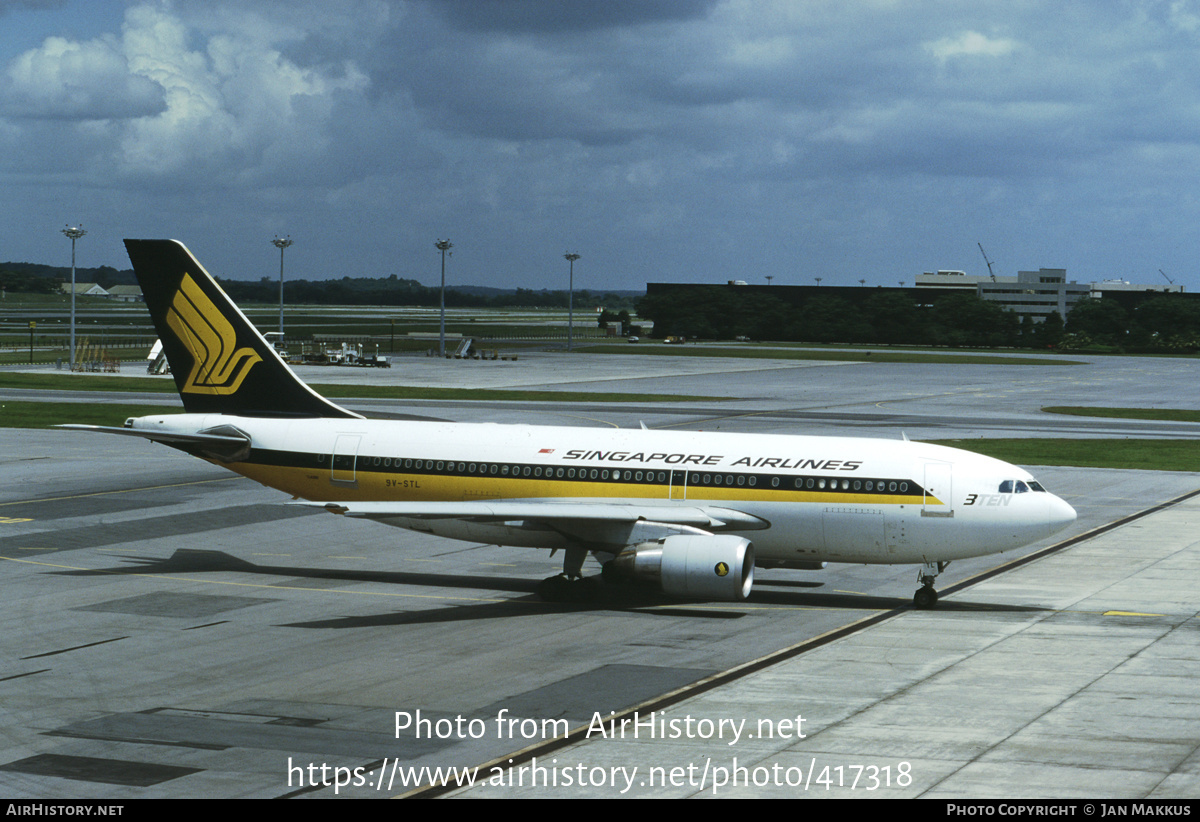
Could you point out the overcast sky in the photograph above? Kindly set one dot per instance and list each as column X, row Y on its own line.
column 662, row 140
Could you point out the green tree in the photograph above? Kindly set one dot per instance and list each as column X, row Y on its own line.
column 1102, row 321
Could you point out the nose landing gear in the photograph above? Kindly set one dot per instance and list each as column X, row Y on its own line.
column 926, row 596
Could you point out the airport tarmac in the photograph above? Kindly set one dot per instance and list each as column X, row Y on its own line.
column 1074, row 676
column 172, row 631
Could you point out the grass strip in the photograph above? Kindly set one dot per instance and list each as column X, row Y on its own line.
column 1167, row 414
column 21, row 414
column 754, row 353
column 1147, row 455
column 88, row 382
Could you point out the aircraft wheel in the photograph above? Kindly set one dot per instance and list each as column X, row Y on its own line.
column 564, row 589
column 925, row 597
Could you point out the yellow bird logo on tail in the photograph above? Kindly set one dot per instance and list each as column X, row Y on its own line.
column 218, row 365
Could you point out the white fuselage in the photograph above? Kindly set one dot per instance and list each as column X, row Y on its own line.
column 800, row 499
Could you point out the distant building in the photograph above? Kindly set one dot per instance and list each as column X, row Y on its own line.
column 1033, row 295
column 958, row 280
column 85, row 290
column 1036, row 294
column 1110, row 287
column 126, row 293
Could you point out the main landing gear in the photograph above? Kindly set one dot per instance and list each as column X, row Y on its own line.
column 562, row 588
column 571, row 585
column 926, row 597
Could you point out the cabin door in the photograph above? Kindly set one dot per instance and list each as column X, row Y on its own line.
column 679, row 481
column 939, row 490
column 345, row 459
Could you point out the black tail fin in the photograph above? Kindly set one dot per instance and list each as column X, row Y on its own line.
column 220, row 362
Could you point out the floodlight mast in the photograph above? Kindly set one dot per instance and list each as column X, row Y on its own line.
column 73, row 233
column 443, row 246
column 571, row 257
column 281, row 244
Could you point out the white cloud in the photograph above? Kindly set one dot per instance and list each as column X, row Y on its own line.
column 76, row 81
column 970, row 44
column 1183, row 18
column 216, row 106
column 231, row 105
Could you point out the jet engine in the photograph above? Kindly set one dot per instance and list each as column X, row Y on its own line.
column 692, row 566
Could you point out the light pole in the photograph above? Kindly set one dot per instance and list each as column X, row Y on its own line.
column 281, row 244
column 769, row 278
column 443, row 246
column 571, row 258
column 73, row 233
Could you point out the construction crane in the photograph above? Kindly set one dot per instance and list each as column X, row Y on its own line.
column 1160, row 271
column 991, row 273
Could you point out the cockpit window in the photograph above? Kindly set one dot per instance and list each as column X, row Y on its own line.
column 1006, row 487
column 1036, row 486
column 1022, row 488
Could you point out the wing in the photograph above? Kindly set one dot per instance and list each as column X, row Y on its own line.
column 599, row 525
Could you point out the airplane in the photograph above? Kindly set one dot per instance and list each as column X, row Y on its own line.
column 690, row 513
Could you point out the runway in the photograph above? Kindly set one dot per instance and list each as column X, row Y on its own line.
column 174, row 632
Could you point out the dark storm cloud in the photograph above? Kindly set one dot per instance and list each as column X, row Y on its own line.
column 558, row 16
column 847, row 137
column 7, row 6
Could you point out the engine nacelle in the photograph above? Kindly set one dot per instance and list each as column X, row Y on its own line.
column 694, row 566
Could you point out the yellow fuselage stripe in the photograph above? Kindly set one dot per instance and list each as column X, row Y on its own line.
column 316, row 484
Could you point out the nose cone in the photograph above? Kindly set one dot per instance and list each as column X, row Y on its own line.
column 1059, row 515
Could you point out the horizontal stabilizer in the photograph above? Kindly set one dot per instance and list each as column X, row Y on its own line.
column 226, row 447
